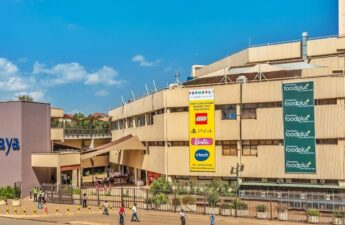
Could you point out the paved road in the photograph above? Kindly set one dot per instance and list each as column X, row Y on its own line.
column 5, row 221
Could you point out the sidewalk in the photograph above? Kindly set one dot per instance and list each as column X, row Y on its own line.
column 95, row 217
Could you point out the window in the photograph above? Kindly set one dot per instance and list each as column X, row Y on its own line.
column 140, row 120
column 179, row 109
column 229, row 148
column 118, row 124
column 160, row 111
column 249, row 111
column 182, row 177
column 179, row 143
column 204, row 178
column 327, row 141
column 228, row 112
column 331, row 101
column 130, row 122
column 250, row 148
column 149, row 118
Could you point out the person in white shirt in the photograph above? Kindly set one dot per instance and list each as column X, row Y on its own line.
column 134, row 214
column 182, row 217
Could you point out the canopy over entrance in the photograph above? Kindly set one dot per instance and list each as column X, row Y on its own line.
column 128, row 142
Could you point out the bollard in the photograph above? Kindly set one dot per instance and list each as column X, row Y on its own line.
column 24, row 211
column 15, row 211
column 89, row 209
column 78, row 210
column 7, row 211
column 67, row 210
column 35, row 212
column 57, row 211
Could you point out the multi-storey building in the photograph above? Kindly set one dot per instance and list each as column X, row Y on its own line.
column 249, row 128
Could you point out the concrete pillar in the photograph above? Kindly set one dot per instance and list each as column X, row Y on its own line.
column 135, row 175
column 58, row 176
column 74, row 178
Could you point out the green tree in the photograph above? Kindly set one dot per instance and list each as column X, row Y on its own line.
column 25, row 98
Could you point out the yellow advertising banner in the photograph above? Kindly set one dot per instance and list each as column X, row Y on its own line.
column 201, row 131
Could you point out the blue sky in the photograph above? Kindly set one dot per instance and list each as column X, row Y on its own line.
column 84, row 55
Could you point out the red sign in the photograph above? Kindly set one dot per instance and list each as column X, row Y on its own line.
column 200, row 118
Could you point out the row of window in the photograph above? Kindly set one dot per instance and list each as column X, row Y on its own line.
column 248, row 145
column 228, row 112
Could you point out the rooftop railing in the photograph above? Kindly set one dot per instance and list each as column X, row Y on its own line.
column 86, row 133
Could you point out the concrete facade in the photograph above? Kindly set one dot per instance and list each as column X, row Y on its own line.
column 165, row 130
column 30, row 123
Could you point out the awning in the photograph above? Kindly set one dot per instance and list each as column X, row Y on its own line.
column 128, row 142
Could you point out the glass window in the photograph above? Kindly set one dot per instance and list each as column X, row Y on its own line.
column 149, row 118
column 140, row 120
column 228, row 112
column 130, row 122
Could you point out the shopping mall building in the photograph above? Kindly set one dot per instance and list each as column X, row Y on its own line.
column 270, row 116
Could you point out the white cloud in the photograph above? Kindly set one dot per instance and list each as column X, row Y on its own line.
column 74, row 27
column 7, row 67
column 102, row 93
column 106, row 75
column 74, row 72
column 143, row 62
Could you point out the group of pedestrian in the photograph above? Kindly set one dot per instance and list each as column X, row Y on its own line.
column 40, row 198
column 122, row 213
column 183, row 218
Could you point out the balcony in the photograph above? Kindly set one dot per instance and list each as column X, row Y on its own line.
column 82, row 133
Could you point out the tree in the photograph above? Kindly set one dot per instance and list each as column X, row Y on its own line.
column 26, row 98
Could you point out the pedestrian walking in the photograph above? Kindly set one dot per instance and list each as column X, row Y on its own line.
column 35, row 191
column 212, row 219
column 182, row 217
column 43, row 195
column 106, row 208
column 84, row 199
column 45, row 207
column 122, row 215
column 134, row 213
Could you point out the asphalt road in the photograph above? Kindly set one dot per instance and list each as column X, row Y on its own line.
column 5, row 221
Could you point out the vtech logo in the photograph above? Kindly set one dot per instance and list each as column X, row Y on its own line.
column 201, row 155
column 200, row 118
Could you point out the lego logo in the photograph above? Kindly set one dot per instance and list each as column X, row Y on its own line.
column 201, row 118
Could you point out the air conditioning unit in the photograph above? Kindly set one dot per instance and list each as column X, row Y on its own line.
column 241, row 79
column 322, row 181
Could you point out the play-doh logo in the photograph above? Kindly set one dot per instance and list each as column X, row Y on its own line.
column 201, row 155
column 200, row 118
column 8, row 144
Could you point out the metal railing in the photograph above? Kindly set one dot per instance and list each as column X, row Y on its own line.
column 86, row 133
column 166, row 201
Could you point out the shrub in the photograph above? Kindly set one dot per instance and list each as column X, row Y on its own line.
column 313, row 212
column 213, row 198
column 176, row 201
column 188, row 200
column 161, row 185
column 7, row 192
column 225, row 206
column 282, row 208
column 261, row 208
column 237, row 204
column 160, row 199
column 339, row 214
column 76, row 191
